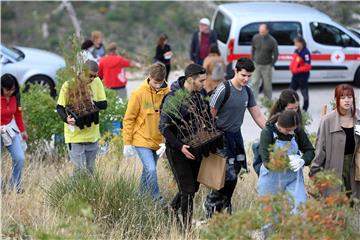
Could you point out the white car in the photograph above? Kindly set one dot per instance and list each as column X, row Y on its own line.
column 335, row 51
column 30, row 65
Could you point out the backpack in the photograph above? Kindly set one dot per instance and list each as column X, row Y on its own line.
column 218, row 72
column 228, row 91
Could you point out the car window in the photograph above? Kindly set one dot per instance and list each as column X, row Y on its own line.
column 330, row 35
column 222, row 26
column 10, row 53
column 355, row 32
column 283, row 32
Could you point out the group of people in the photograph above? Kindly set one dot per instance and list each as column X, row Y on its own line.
column 146, row 126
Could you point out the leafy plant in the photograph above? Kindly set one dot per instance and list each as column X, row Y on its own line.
column 115, row 111
column 201, row 126
column 326, row 217
column 77, row 74
column 279, row 160
column 40, row 116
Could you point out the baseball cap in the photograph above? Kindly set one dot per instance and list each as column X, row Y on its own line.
column 205, row 21
column 193, row 69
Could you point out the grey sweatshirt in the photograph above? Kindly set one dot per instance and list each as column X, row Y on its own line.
column 264, row 50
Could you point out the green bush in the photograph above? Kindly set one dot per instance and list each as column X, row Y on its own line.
column 113, row 202
column 40, row 116
column 114, row 112
column 323, row 217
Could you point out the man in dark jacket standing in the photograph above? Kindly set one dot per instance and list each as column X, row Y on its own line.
column 201, row 42
column 264, row 51
column 184, row 165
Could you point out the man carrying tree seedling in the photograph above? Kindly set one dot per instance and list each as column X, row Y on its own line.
column 181, row 113
column 82, row 140
column 228, row 105
column 141, row 132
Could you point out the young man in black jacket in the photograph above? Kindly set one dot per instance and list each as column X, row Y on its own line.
column 184, row 164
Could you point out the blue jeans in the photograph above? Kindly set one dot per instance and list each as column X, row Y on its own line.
column 271, row 182
column 148, row 181
column 18, row 157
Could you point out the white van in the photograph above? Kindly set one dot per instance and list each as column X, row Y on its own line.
column 335, row 50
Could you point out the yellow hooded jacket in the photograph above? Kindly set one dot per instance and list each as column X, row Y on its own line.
column 141, row 121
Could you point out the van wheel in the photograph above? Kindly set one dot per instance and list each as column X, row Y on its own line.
column 357, row 78
column 41, row 80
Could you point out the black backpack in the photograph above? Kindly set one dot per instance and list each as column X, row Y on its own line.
column 228, row 91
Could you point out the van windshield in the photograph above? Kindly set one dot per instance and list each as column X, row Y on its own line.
column 330, row 35
column 222, row 26
column 283, row 32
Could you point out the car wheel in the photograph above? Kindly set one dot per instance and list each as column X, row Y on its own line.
column 357, row 78
column 42, row 80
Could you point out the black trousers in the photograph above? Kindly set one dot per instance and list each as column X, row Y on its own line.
column 303, row 84
column 185, row 172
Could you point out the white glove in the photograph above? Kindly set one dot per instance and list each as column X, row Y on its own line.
column 357, row 129
column 161, row 150
column 296, row 162
column 129, row 151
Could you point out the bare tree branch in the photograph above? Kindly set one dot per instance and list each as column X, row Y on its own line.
column 72, row 14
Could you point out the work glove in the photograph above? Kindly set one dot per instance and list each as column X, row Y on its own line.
column 160, row 152
column 357, row 129
column 129, row 151
column 296, row 162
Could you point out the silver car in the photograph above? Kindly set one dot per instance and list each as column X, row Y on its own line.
column 30, row 65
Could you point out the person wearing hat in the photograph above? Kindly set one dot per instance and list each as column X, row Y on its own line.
column 201, row 42
column 184, row 165
column 112, row 70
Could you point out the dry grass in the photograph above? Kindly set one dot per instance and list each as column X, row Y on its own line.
column 32, row 210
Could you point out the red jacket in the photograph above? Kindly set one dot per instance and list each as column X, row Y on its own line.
column 112, row 72
column 301, row 62
column 9, row 110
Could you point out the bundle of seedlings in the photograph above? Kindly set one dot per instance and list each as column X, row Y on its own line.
column 77, row 75
column 80, row 104
column 279, row 160
column 199, row 129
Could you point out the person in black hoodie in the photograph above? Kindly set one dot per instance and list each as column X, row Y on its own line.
column 184, row 165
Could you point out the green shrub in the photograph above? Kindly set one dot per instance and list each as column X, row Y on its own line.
column 114, row 112
column 40, row 116
column 113, row 202
column 324, row 217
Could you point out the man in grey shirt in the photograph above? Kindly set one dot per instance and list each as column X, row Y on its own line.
column 264, row 50
column 229, row 110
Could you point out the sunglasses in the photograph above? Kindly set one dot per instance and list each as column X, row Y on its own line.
column 93, row 75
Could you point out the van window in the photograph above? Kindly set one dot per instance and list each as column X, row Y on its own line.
column 283, row 32
column 222, row 27
column 330, row 35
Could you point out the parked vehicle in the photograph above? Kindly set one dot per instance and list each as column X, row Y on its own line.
column 335, row 50
column 30, row 65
